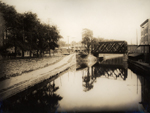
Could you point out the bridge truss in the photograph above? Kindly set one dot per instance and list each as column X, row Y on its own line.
column 114, row 47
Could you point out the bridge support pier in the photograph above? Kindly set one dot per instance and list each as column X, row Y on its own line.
column 125, row 57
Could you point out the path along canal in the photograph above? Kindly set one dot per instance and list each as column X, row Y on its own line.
column 105, row 87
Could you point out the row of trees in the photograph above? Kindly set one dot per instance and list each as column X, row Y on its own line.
column 89, row 41
column 25, row 32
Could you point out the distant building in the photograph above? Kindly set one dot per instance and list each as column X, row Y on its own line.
column 145, row 36
column 78, row 47
column 142, row 52
column 145, row 32
column 132, row 48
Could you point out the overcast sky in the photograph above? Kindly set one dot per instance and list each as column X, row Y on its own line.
column 110, row 19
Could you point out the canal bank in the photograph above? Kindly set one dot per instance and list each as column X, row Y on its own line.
column 139, row 67
column 17, row 84
column 138, row 63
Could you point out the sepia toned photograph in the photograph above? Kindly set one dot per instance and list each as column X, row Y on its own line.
column 74, row 56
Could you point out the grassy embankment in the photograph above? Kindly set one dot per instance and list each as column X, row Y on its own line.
column 15, row 67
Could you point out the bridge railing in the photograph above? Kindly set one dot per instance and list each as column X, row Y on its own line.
column 111, row 47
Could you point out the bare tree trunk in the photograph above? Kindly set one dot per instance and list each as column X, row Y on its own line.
column 49, row 52
column 15, row 51
column 37, row 53
column 30, row 52
column 41, row 53
column 3, row 37
column 30, row 46
column 6, row 33
column 15, row 47
column 22, row 53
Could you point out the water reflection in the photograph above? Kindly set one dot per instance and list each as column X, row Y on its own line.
column 103, row 87
column 145, row 89
column 87, row 83
column 34, row 100
column 110, row 69
column 86, row 91
column 110, row 72
column 145, row 101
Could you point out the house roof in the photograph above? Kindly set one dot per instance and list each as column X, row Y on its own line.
column 144, row 22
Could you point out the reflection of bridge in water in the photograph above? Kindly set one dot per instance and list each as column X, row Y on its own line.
column 111, row 72
column 110, row 69
column 114, row 62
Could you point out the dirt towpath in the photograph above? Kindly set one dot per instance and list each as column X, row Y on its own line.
column 16, row 84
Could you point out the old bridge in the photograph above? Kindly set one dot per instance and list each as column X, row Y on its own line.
column 111, row 47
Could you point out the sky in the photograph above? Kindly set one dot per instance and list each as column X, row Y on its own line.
column 109, row 19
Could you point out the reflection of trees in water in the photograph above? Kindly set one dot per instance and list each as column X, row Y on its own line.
column 87, row 81
column 43, row 99
column 91, row 73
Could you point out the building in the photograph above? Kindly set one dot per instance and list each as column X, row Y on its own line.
column 145, row 40
column 145, row 36
column 132, row 48
column 78, row 47
column 142, row 52
column 145, row 32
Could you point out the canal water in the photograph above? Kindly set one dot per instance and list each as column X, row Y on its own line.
column 104, row 87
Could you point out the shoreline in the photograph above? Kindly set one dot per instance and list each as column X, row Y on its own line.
column 139, row 67
column 17, row 84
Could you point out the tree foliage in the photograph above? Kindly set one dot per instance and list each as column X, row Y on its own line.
column 26, row 32
column 91, row 42
column 61, row 43
column 87, row 36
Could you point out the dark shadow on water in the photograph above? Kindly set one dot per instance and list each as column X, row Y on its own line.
column 42, row 98
column 145, row 87
column 145, row 99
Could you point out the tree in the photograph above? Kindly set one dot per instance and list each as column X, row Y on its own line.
column 2, row 28
column 95, row 42
column 73, row 43
column 87, row 36
column 26, row 32
column 61, row 43
column 9, row 15
column 48, row 37
column 29, row 24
